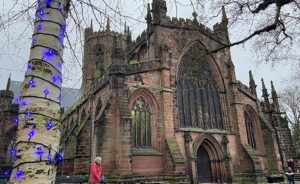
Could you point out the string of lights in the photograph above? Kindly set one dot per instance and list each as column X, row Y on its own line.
column 34, row 119
column 28, row 114
column 32, row 82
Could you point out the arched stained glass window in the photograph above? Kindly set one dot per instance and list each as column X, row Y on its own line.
column 99, row 57
column 141, row 123
column 197, row 95
column 250, row 131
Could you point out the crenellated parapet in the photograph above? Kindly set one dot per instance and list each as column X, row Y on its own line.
column 245, row 89
column 187, row 24
column 103, row 33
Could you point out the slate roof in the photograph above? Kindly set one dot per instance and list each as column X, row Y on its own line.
column 69, row 95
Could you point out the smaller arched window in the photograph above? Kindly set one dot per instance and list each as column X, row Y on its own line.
column 99, row 58
column 141, row 123
column 250, row 130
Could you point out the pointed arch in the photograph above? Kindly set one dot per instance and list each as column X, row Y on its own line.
column 206, row 143
column 199, row 82
column 212, row 63
column 144, row 110
column 210, row 143
column 252, row 127
column 148, row 96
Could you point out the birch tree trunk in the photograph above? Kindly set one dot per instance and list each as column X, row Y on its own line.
column 37, row 142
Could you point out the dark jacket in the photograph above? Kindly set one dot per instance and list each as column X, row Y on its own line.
column 290, row 175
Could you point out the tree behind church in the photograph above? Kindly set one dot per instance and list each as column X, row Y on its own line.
column 38, row 136
column 290, row 102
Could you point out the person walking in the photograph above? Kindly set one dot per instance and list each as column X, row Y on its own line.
column 292, row 163
column 290, row 176
column 96, row 171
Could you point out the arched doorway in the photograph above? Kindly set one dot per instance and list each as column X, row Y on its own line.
column 204, row 174
column 209, row 164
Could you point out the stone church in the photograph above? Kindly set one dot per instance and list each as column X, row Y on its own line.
column 160, row 108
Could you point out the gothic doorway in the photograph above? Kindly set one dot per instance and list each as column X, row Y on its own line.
column 204, row 174
column 209, row 164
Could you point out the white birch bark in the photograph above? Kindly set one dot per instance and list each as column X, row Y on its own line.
column 39, row 110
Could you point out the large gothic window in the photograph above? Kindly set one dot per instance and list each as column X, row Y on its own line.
column 197, row 95
column 141, row 123
column 99, row 57
column 249, row 129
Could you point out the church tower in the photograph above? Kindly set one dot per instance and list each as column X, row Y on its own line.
column 98, row 47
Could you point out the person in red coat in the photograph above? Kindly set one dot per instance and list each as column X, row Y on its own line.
column 96, row 171
column 292, row 163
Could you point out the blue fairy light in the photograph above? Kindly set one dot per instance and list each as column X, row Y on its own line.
column 29, row 67
column 60, row 6
column 39, row 27
column 31, row 133
column 59, row 97
column 24, row 103
column 40, row 4
column 39, row 152
column 5, row 173
column 41, row 14
column 34, row 41
column 31, row 82
column 48, row 1
column 18, row 99
column 12, row 151
column 16, row 120
column 48, row 53
column 54, row 79
column 28, row 113
column 46, row 91
column 49, row 125
column 19, row 173
column 61, row 37
column 49, row 157
column 59, row 157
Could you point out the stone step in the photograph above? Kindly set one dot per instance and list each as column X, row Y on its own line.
column 297, row 177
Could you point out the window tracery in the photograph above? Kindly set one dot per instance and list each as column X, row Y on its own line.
column 141, row 123
column 197, row 96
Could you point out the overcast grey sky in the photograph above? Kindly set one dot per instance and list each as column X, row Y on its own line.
column 15, row 43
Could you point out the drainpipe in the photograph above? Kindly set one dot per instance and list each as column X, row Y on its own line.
column 91, row 97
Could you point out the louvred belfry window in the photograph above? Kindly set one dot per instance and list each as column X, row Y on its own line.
column 197, row 96
column 141, row 123
column 99, row 58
